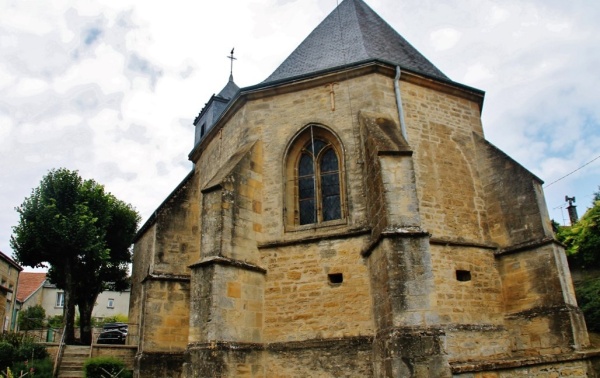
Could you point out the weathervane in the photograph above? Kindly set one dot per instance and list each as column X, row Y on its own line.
column 232, row 59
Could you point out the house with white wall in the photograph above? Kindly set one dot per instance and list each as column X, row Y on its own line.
column 36, row 289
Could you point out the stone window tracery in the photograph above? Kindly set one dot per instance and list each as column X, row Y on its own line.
column 314, row 194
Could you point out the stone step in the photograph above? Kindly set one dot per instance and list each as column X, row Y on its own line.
column 71, row 365
column 65, row 364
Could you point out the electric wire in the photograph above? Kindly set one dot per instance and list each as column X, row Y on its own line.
column 570, row 173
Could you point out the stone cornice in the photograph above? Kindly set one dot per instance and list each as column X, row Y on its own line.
column 226, row 261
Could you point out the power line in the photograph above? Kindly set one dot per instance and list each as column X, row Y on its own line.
column 570, row 173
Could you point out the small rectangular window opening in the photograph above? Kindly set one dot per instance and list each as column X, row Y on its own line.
column 111, row 303
column 60, row 299
column 463, row 275
column 335, row 278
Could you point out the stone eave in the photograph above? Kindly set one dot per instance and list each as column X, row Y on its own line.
column 11, row 262
column 513, row 161
column 318, row 78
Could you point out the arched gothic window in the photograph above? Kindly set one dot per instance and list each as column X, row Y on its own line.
column 314, row 183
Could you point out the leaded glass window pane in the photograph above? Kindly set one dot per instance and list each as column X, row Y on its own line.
column 305, row 166
column 307, row 211
column 306, row 187
column 331, row 208
column 330, row 184
column 317, row 145
column 329, row 162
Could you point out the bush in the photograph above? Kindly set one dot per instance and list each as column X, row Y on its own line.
column 15, row 338
column 41, row 368
column 588, row 298
column 7, row 355
column 29, row 351
column 55, row 321
column 97, row 367
column 119, row 318
column 32, row 318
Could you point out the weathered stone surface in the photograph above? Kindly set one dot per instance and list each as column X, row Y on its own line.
column 442, row 256
column 155, row 364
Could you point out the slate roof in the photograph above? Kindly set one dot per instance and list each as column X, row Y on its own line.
column 29, row 283
column 352, row 33
column 229, row 90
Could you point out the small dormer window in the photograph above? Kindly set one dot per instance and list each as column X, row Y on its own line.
column 202, row 130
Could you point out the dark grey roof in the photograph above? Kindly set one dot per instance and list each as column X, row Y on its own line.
column 229, row 90
column 352, row 33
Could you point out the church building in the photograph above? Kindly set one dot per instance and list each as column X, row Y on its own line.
column 346, row 217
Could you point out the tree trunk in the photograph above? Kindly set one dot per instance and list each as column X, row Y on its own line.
column 69, row 309
column 86, row 306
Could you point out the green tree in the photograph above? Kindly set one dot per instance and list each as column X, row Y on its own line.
column 83, row 234
column 583, row 238
column 582, row 241
column 32, row 318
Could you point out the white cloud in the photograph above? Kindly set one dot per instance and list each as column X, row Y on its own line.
column 28, row 86
column 477, row 74
column 444, row 39
column 111, row 87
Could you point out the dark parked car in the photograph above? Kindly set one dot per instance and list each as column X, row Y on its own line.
column 113, row 333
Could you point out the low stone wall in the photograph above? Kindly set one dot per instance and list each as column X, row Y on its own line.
column 52, row 349
column 125, row 353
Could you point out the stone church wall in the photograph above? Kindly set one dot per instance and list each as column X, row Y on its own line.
column 301, row 302
column 440, row 130
column 227, row 277
column 142, row 256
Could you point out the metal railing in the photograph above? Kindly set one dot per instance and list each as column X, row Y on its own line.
column 59, row 352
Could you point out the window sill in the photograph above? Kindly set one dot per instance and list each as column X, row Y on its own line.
column 341, row 231
column 313, row 226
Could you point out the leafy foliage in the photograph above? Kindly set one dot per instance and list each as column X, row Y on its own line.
column 32, row 318
column 55, row 321
column 119, row 318
column 83, row 233
column 16, row 339
column 7, row 354
column 42, row 368
column 588, row 298
column 98, row 367
column 31, row 351
column 583, row 239
column 20, row 353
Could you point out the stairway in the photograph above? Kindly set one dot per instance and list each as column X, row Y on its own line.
column 71, row 364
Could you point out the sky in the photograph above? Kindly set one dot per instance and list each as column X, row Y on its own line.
column 111, row 87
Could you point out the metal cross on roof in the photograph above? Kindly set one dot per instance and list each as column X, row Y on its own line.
column 232, row 59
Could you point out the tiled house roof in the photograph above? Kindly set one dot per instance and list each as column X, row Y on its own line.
column 29, row 283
